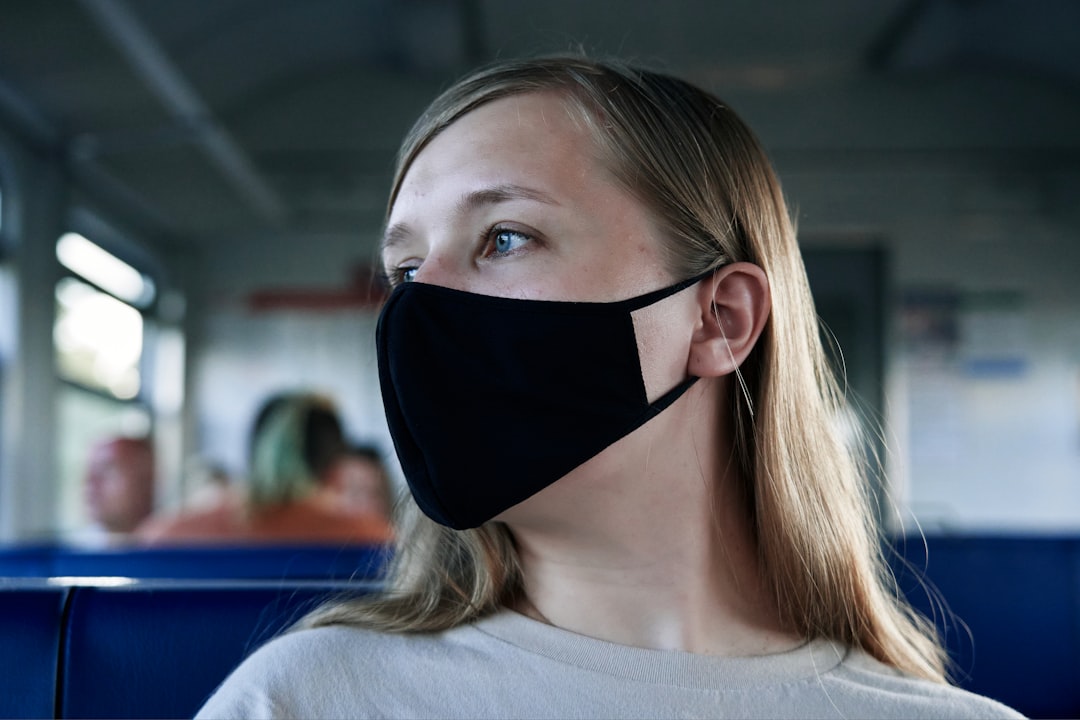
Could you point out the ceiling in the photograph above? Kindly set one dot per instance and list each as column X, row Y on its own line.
column 203, row 121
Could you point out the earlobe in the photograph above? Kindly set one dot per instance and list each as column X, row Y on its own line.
column 734, row 306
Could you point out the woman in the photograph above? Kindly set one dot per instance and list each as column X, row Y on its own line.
column 602, row 372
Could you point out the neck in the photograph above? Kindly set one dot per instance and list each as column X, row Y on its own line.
column 661, row 556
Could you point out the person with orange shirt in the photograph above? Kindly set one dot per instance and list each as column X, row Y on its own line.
column 297, row 442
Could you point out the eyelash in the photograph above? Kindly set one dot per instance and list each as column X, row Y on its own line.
column 488, row 238
column 396, row 276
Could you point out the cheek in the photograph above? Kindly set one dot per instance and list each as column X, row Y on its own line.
column 663, row 332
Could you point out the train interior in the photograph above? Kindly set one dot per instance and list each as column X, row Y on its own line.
column 191, row 196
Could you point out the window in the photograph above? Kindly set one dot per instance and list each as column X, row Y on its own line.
column 98, row 339
column 100, row 332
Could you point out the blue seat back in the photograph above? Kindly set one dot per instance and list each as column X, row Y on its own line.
column 26, row 560
column 1011, row 614
column 252, row 562
column 30, row 636
column 158, row 652
column 158, row 648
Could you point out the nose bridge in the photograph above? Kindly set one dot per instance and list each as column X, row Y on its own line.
column 445, row 265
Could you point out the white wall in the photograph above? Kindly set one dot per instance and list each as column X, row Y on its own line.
column 970, row 451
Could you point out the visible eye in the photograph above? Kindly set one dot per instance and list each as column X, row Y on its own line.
column 399, row 275
column 504, row 240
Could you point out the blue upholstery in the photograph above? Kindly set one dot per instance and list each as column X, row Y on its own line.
column 1012, row 617
column 253, row 562
column 157, row 648
column 158, row 652
column 26, row 560
column 30, row 626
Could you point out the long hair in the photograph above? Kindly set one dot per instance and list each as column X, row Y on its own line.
column 705, row 179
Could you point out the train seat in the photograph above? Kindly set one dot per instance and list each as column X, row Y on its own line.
column 31, row 622
column 154, row 650
column 126, row 647
column 242, row 562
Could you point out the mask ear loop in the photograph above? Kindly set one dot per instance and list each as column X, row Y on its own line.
column 738, row 371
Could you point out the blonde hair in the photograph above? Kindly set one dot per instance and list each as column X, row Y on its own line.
column 712, row 192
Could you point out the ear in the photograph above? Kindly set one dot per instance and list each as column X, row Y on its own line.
column 734, row 305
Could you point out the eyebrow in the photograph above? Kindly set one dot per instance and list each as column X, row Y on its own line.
column 505, row 192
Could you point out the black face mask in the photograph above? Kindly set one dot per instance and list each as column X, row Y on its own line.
column 490, row 400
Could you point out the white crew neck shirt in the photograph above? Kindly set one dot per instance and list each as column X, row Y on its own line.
column 510, row 666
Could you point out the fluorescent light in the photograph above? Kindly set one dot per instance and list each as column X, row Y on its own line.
column 91, row 581
column 99, row 339
column 104, row 269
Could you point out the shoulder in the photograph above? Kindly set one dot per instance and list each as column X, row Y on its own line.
column 344, row 671
column 191, row 524
column 886, row 692
column 308, row 519
column 351, row 525
column 314, row 653
column 290, row 676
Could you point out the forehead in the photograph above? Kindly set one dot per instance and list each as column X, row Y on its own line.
column 508, row 139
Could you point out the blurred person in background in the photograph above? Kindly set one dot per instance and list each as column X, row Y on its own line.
column 360, row 483
column 296, row 442
column 210, row 485
column 118, row 490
